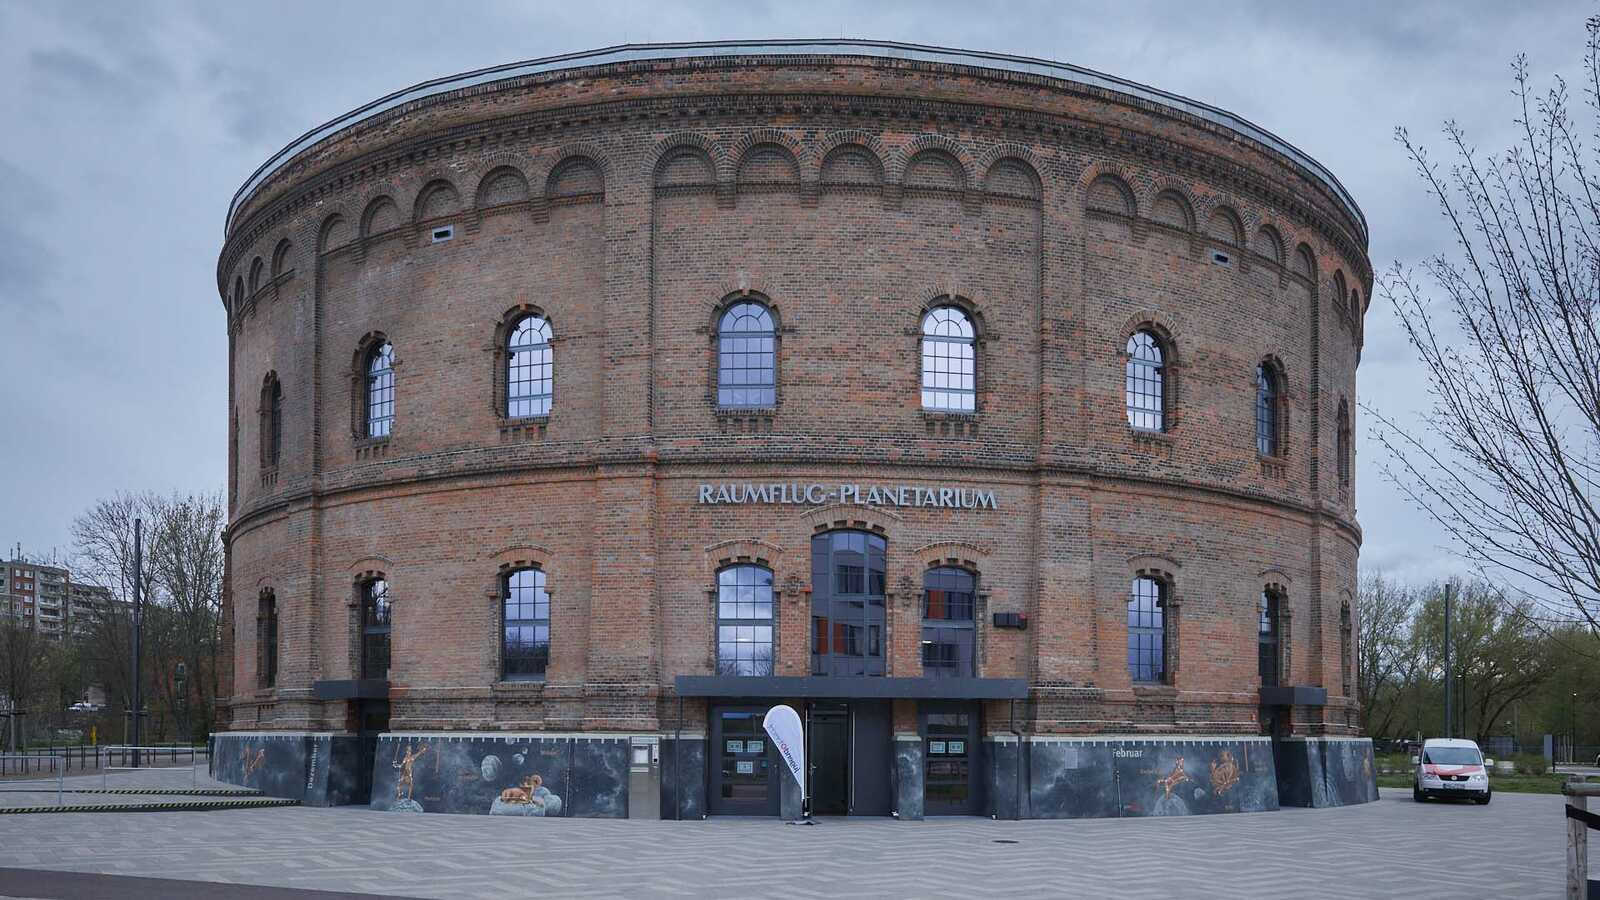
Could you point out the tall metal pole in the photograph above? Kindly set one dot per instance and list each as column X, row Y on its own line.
column 138, row 569
column 1449, row 709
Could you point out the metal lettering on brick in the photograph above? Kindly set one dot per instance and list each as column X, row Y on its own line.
column 820, row 494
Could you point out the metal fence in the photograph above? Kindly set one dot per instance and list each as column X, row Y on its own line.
column 65, row 760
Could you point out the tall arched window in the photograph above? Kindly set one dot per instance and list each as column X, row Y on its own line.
column 1267, row 425
column 744, row 621
column 949, row 638
column 1146, row 382
column 847, row 603
column 380, row 390
column 271, row 421
column 267, row 640
column 375, row 628
column 1147, row 630
column 525, row 636
column 949, row 379
column 747, row 367
column 1342, row 450
column 530, row 369
column 1267, row 637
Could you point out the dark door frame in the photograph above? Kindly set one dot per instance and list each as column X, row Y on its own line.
column 714, row 748
column 975, row 756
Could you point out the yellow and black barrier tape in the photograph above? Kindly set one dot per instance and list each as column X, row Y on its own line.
column 168, row 806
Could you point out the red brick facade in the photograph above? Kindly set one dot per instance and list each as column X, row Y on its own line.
column 628, row 204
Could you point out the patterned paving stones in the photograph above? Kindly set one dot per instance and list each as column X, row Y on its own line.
column 1511, row 848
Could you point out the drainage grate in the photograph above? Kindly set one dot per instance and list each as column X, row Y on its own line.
column 1004, row 841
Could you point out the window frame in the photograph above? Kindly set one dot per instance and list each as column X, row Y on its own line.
column 540, row 657
column 1269, row 636
column 379, row 382
column 370, row 631
column 271, row 418
column 508, row 366
column 730, row 313
column 1344, row 444
column 267, row 640
column 1138, row 371
column 755, row 622
column 873, row 606
column 1269, row 411
column 1139, row 656
column 968, row 381
column 969, row 625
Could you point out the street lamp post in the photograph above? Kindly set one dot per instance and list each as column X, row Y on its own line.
column 179, row 678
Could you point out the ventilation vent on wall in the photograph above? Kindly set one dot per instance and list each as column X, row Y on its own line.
column 1220, row 258
column 444, row 234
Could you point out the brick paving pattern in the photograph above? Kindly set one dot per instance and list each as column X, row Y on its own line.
column 1511, row 848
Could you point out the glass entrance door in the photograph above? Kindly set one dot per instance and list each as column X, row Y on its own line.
column 744, row 780
column 950, row 754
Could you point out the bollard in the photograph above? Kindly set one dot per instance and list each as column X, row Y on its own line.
column 1579, row 821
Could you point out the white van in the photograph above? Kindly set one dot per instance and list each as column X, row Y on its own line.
column 1450, row 767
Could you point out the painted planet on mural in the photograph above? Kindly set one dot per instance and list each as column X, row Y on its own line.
column 519, row 759
column 490, row 767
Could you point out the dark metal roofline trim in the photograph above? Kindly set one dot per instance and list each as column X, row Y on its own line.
column 839, row 47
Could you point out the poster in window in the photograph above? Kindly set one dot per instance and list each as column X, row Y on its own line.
column 958, row 747
column 755, row 746
column 736, row 746
column 746, row 767
column 935, row 747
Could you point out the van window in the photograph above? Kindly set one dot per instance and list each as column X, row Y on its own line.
column 1452, row 756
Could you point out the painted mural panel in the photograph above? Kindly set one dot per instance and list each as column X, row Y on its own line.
column 274, row 764
column 515, row 775
column 683, row 779
column 1181, row 778
column 1071, row 780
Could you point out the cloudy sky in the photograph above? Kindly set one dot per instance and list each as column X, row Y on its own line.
column 131, row 125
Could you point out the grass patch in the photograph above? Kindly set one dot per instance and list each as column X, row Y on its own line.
column 1517, row 784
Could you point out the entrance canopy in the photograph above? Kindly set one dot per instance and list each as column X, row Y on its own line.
column 852, row 687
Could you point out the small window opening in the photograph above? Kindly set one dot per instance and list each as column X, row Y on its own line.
column 1220, row 258
column 444, row 234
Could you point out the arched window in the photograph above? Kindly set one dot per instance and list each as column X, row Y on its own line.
column 380, row 390
column 1346, row 635
column 267, row 640
column 530, row 370
column 271, row 421
column 949, row 639
column 949, row 380
column 1147, row 630
column 1267, row 412
column 744, row 621
column 375, row 626
column 1267, row 639
column 525, row 636
column 1146, row 382
column 747, row 368
column 847, row 597
column 1342, row 449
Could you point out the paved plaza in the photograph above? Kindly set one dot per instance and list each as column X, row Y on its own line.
column 1511, row 848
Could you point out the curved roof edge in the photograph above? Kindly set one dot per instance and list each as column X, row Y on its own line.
column 835, row 47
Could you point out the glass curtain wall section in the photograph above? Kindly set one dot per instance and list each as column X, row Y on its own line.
column 847, row 611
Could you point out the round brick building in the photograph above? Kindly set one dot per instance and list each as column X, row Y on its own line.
column 992, row 413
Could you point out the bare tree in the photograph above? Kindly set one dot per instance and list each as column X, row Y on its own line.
column 22, row 649
column 1386, row 656
column 1507, row 460
column 187, row 562
column 182, row 586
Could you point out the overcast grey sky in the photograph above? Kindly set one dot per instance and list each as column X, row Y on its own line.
column 130, row 125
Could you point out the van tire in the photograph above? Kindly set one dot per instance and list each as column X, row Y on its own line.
column 1484, row 800
column 1417, row 794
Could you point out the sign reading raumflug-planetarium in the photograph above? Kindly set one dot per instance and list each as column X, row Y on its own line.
column 787, row 493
